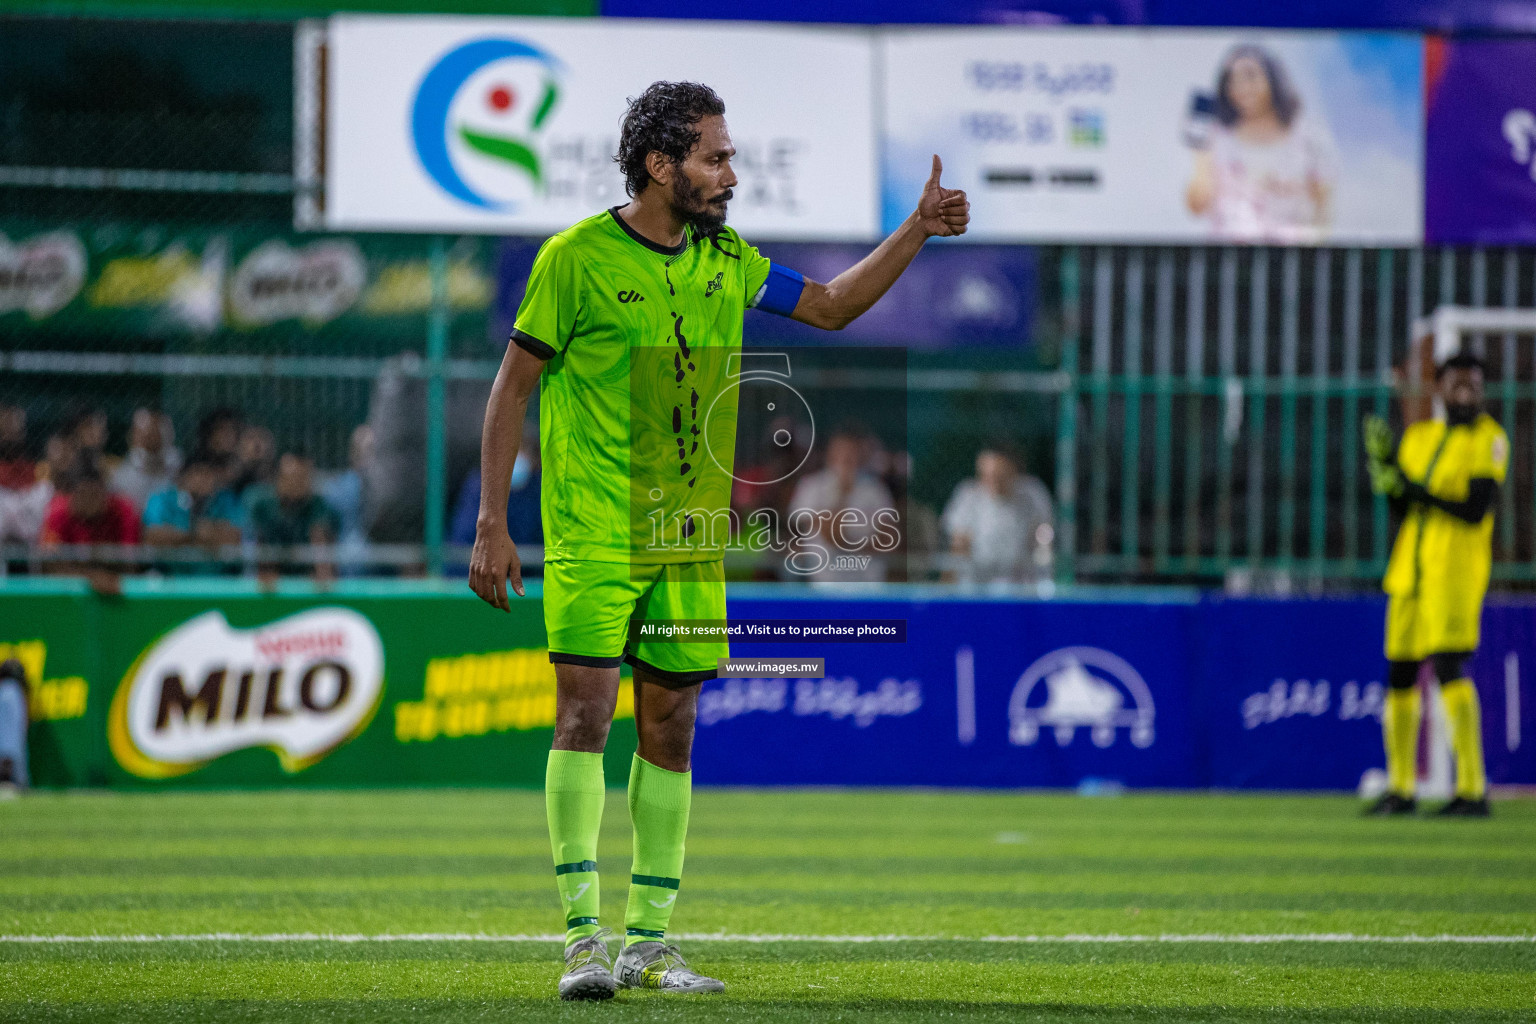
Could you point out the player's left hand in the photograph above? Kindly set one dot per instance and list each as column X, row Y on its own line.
column 1378, row 438
column 942, row 211
column 1386, row 478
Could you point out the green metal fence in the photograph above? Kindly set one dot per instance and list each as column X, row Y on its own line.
column 1209, row 427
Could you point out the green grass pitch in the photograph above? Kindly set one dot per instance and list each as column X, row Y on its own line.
column 944, row 883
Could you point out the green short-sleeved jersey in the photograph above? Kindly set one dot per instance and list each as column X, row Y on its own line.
column 638, row 390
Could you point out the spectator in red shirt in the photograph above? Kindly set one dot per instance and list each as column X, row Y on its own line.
column 85, row 512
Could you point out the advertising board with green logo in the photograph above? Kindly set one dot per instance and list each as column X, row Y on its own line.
column 366, row 684
column 510, row 124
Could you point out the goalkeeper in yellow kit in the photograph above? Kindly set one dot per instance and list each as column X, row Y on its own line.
column 1443, row 480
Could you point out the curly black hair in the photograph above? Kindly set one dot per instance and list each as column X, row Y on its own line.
column 662, row 119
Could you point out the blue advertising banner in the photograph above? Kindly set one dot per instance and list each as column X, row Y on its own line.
column 891, row 12
column 1282, row 714
column 1480, row 151
column 1505, row 673
column 984, row 693
column 1429, row 15
column 1183, row 692
column 951, row 297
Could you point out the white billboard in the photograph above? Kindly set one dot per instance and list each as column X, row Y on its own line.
column 1308, row 138
column 509, row 125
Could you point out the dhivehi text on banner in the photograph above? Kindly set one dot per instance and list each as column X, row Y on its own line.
column 1296, row 138
column 510, row 125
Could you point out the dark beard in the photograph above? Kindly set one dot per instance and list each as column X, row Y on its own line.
column 688, row 205
column 1461, row 415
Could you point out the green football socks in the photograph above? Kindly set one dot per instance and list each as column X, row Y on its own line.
column 1400, row 732
column 658, row 811
column 573, row 799
column 1466, row 721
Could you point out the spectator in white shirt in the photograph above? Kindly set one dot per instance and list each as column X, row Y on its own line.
column 1000, row 522
column 845, row 498
column 152, row 462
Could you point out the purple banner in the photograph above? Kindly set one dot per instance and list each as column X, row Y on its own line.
column 1480, row 154
column 952, row 296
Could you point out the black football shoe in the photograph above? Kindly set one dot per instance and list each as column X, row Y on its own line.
column 1462, row 807
column 1391, row 805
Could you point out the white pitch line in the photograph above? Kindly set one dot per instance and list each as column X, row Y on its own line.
column 1240, row 939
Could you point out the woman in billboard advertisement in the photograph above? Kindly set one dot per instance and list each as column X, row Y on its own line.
column 1263, row 172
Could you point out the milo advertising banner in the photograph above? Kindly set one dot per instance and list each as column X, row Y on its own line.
column 158, row 280
column 327, row 690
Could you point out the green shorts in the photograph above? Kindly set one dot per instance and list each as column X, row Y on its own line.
column 591, row 612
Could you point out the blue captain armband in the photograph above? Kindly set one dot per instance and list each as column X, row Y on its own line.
column 781, row 292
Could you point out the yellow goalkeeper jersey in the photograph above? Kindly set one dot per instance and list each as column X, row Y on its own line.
column 1434, row 549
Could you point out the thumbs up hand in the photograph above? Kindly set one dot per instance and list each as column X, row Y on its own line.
column 942, row 211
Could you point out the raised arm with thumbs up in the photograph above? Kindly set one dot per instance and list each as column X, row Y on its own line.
column 941, row 211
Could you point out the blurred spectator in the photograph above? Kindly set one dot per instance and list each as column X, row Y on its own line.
column 291, row 514
column 197, row 512
column 87, row 428
column 999, row 521
column 768, row 479
column 253, row 463
column 17, row 470
column 343, row 491
column 14, row 718
column 524, row 523
column 85, row 512
column 921, row 534
column 346, row 492
column 60, row 453
column 24, row 487
column 218, row 438
column 152, row 460
column 843, row 497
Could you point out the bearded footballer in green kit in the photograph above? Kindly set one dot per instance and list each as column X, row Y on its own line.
column 660, row 274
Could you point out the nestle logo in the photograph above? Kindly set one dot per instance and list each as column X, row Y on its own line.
column 276, row 647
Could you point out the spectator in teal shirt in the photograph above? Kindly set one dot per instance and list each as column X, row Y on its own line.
column 198, row 512
column 291, row 514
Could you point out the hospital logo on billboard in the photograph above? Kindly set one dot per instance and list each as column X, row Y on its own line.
column 1081, row 688
column 301, row 687
column 477, row 118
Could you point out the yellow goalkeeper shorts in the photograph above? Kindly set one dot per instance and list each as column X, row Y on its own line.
column 1431, row 622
